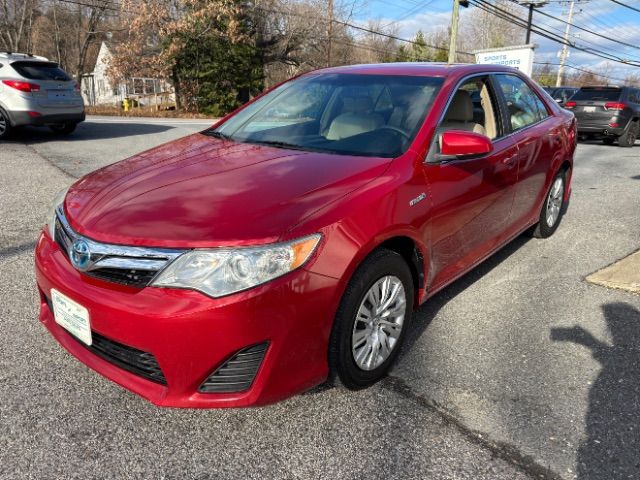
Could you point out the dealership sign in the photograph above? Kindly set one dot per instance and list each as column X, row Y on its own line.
column 520, row 57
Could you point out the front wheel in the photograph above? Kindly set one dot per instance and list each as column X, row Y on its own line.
column 372, row 320
column 552, row 209
column 63, row 128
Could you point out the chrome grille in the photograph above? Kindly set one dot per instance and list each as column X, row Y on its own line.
column 126, row 265
column 237, row 373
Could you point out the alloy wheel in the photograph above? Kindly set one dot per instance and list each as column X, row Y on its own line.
column 554, row 201
column 379, row 323
column 3, row 124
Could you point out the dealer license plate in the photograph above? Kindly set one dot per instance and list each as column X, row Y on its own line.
column 71, row 316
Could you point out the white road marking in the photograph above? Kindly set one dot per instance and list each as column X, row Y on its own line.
column 162, row 121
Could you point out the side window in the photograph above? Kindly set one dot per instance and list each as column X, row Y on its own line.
column 524, row 106
column 472, row 108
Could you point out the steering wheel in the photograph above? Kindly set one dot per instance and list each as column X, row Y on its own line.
column 397, row 130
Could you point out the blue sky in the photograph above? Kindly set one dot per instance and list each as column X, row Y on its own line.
column 601, row 16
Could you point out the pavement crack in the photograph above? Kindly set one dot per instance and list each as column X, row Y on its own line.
column 504, row 451
column 50, row 162
column 16, row 250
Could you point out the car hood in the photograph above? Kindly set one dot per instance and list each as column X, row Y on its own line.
column 201, row 191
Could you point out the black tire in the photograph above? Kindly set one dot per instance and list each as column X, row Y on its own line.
column 628, row 138
column 342, row 365
column 5, row 125
column 542, row 229
column 63, row 128
column 608, row 140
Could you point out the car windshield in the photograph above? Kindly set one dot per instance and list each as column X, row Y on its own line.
column 41, row 71
column 595, row 94
column 370, row 115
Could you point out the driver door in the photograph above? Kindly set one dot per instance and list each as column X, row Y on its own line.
column 472, row 197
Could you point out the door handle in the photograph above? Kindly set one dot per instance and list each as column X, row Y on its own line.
column 510, row 161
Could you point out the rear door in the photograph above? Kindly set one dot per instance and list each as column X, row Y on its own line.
column 591, row 108
column 57, row 88
column 537, row 133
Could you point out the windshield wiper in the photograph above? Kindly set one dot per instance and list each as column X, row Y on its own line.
column 279, row 144
column 216, row 134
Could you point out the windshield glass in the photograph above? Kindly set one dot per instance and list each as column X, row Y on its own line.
column 371, row 115
column 41, row 71
column 608, row 94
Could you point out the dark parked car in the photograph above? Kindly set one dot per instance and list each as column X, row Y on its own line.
column 561, row 94
column 607, row 112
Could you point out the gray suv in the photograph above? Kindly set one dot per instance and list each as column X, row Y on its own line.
column 607, row 112
column 35, row 91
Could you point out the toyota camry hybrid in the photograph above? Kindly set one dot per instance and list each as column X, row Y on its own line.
column 291, row 242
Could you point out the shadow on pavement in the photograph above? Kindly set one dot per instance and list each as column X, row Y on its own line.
column 611, row 450
column 636, row 177
column 89, row 131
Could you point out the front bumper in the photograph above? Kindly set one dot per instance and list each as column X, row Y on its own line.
column 191, row 334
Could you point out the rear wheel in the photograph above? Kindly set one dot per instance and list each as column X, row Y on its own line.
column 5, row 125
column 552, row 209
column 628, row 138
column 372, row 320
column 63, row 128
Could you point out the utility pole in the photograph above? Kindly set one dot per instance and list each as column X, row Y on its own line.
column 454, row 31
column 329, row 32
column 565, row 48
column 455, row 15
column 532, row 4
column 529, row 22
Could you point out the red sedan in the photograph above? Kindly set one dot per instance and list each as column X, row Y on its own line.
column 291, row 242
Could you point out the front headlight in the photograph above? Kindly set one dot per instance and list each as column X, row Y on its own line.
column 51, row 214
column 222, row 271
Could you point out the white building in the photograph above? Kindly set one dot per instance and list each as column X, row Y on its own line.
column 97, row 88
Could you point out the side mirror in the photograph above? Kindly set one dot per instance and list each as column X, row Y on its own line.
column 463, row 144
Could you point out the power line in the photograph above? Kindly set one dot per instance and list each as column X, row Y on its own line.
column 411, row 11
column 625, row 5
column 364, row 29
column 105, row 6
column 581, row 40
column 508, row 16
column 587, row 30
column 567, row 65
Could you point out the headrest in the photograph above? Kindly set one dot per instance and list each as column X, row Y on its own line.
column 461, row 108
column 357, row 104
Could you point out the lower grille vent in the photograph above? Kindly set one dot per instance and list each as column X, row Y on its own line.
column 128, row 358
column 237, row 373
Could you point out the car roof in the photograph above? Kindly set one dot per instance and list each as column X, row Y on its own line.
column 429, row 69
column 12, row 56
column 602, row 87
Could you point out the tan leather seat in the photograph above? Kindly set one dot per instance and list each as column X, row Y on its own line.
column 459, row 116
column 357, row 117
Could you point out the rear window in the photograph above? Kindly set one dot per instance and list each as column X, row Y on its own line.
column 595, row 94
column 41, row 71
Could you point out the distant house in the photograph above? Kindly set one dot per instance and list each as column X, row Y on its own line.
column 97, row 87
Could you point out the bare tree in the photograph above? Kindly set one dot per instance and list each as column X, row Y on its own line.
column 16, row 19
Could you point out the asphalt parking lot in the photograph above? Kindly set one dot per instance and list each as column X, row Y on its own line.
column 519, row 370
